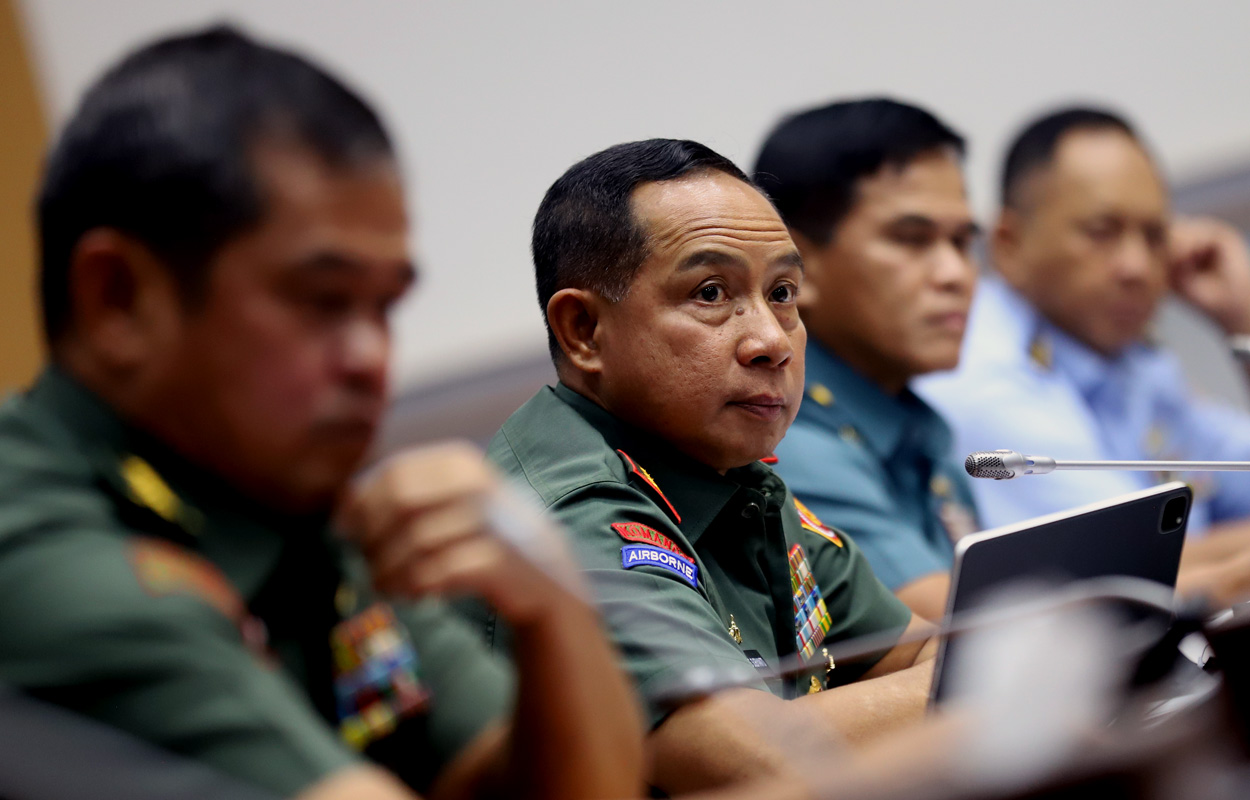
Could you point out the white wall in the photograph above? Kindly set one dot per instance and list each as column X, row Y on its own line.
column 491, row 101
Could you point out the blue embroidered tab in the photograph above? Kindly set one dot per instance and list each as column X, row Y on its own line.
column 636, row 555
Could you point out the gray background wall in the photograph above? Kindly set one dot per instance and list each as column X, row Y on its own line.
column 490, row 101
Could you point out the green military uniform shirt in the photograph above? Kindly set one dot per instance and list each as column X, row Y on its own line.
column 695, row 574
column 143, row 592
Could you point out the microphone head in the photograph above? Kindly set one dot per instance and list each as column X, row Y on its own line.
column 1000, row 465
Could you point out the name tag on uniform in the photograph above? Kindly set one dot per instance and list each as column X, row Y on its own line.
column 375, row 675
column 758, row 662
column 637, row 555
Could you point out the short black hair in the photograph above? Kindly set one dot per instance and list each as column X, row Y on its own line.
column 812, row 161
column 1034, row 147
column 585, row 233
column 160, row 147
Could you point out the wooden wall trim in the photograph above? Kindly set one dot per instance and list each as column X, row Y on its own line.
column 23, row 132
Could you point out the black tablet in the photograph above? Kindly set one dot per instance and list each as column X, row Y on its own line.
column 1137, row 535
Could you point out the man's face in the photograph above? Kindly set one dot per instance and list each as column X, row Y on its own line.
column 706, row 349
column 1088, row 245
column 891, row 290
column 278, row 378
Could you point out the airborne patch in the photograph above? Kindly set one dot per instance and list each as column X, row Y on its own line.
column 646, row 478
column 637, row 532
column 811, row 617
column 638, row 555
column 812, row 523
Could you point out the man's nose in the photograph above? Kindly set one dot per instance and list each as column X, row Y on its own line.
column 1135, row 259
column 764, row 341
column 364, row 353
column 954, row 268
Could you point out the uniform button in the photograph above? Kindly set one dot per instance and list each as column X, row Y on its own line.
column 750, row 511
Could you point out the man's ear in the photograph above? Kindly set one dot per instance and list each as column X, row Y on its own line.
column 574, row 315
column 1005, row 242
column 122, row 297
column 813, row 256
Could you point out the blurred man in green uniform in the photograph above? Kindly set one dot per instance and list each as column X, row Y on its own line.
column 873, row 194
column 223, row 233
column 669, row 284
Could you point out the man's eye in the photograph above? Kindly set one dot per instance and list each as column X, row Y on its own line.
column 914, row 239
column 711, row 293
column 785, row 293
column 328, row 304
column 1104, row 231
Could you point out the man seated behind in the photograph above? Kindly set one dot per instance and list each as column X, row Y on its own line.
column 223, row 235
column 873, row 194
column 669, row 285
column 1058, row 360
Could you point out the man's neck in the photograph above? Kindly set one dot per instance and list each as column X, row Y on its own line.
column 877, row 370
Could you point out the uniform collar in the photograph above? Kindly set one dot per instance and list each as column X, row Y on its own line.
column 242, row 537
column 885, row 422
column 697, row 492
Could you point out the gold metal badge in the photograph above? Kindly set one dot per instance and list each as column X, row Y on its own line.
column 1041, row 354
column 821, row 394
column 345, row 600
column 734, row 631
column 814, row 686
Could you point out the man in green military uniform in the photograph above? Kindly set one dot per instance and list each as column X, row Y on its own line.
column 873, row 193
column 669, row 285
column 223, row 233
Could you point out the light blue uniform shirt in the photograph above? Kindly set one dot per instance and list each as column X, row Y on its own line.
column 878, row 467
column 1024, row 385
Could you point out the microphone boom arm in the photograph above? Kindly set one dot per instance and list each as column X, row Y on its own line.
column 1006, row 464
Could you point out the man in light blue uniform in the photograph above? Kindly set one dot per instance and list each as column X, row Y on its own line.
column 1058, row 361
column 873, row 194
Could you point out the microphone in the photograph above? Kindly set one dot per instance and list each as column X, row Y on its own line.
column 1002, row 465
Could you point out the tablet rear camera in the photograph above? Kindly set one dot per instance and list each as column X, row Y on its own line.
column 1173, row 515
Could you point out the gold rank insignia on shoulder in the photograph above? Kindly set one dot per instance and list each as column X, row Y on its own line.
column 821, row 394
column 735, row 632
column 1156, row 441
column 1040, row 352
column 148, row 488
column 645, row 477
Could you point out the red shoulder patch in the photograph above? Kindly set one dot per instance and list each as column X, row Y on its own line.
column 637, row 532
column 163, row 569
column 642, row 474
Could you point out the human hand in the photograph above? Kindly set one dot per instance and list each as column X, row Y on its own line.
column 439, row 520
column 1209, row 267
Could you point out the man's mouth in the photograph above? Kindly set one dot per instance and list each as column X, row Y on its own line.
column 768, row 407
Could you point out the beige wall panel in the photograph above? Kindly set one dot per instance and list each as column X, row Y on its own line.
column 22, row 136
